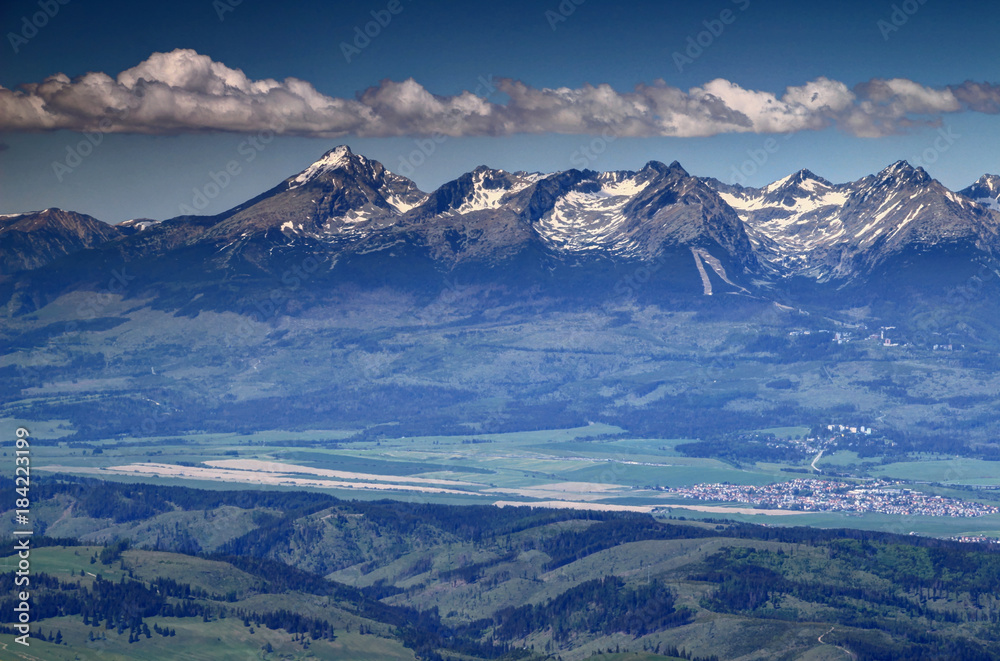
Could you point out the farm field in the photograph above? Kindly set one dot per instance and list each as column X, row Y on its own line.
column 592, row 467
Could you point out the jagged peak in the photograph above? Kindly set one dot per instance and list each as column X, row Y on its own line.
column 903, row 171
column 803, row 178
column 677, row 167
column 338, row 158
column 660, row 167
column 485, row 169
column 989, row 181
column 900, row 167
column 809, row 175
column 985, row 191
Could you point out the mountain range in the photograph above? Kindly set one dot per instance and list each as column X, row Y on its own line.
column 664, row 303
column 355, row 222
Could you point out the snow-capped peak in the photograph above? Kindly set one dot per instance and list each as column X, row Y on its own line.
column 139, row 224
column 336, row 158
column 481, row 189
column 776, row 185
column 902, row 170
column 487, row 189
column 986, row 191
column 990, row 181
column 591, row 215
column 803, row 180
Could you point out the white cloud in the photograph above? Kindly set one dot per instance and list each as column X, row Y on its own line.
column 905, row 96
column 821, row 95
column 183, row 91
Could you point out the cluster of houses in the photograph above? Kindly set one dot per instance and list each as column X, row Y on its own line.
column 813, row 444
column 885, row 336
column 812, row 495
column 975, row 539
column 846, row 429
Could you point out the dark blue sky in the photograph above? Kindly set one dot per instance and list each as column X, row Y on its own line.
column 448, row 47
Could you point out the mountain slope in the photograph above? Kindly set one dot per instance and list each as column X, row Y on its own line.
column 32, row 240
column 985, row 191
column 342, row 194
column 790, row 217
column 809, row 227
column 349, row 221
column 903, row 210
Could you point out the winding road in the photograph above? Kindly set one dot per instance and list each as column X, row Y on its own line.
column 813, row 464
column 842, row 649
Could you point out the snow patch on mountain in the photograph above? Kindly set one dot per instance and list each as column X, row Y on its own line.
column 491, row 188
column 332, row 160
column 586, row 220
column 401, row 205
column 139, row 224
column 985, row 192
column 796, row 214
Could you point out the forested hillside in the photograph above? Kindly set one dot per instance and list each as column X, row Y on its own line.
column 120, row 575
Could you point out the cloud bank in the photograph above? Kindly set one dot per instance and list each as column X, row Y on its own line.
column 185, row 92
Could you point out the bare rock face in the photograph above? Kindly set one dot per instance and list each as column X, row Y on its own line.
column 349, row 221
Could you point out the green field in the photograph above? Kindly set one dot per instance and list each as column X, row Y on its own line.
column 953, row 470
column 521, row 466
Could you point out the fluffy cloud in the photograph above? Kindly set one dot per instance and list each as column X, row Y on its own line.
column 183, row 92
column 978, row 97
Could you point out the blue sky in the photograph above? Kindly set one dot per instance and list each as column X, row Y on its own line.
column 148, row 169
